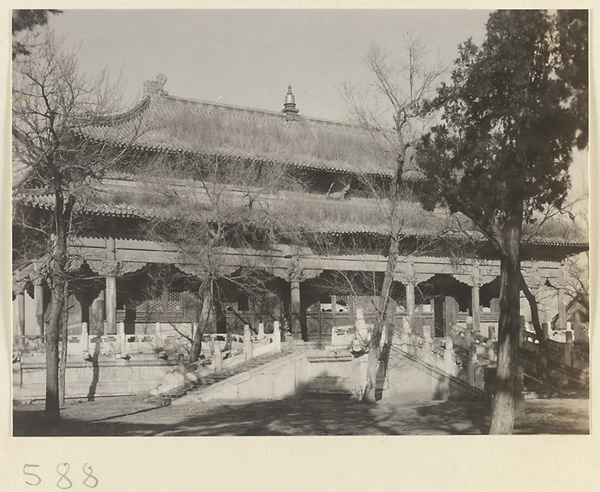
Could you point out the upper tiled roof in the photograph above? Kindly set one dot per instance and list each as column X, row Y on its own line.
column 171, row 124
column 139, row 198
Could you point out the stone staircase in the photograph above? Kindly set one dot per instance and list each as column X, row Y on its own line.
column 205, row 382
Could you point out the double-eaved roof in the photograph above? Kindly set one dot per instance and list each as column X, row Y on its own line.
column 164, row 123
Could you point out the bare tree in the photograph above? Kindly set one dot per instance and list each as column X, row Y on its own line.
column 403, row 87
column 52, row 101
column 228, row 203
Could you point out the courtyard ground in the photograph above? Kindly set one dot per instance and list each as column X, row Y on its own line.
column 299, row 416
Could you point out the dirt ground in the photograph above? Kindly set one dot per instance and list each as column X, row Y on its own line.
column 307, row 416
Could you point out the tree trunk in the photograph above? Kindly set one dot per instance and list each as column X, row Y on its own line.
column 386, row 288
column 196, row 348
column 52, row 409
column 503, row 408
column 380, row 323
column 58, row 281
column 64, row 338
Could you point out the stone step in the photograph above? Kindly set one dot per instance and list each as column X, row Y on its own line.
column 209, row 380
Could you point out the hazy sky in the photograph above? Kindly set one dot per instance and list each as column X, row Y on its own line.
column 248, row 57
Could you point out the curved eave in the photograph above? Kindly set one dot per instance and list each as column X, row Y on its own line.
column 163, row 148
column 539, row 248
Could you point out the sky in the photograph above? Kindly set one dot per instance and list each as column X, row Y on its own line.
column 248, row 57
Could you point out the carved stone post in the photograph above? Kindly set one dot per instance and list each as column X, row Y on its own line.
column 568, row 349
column 217, row 356
column 472, row 365
column 427, row 343
column 276, row 336
column 449, row 356
column 545, row 331
column 247, row 342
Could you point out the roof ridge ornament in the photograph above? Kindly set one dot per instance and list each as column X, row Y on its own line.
column 289, row 107
column 154, row 88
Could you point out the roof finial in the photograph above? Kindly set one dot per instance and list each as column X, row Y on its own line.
column 155, row 87
column 289, row 107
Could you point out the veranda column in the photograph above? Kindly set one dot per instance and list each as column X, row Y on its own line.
column 20, row 313
column 475, row 308
column 109, row 268
column 295, row 309
column 410, row 303
column 111, row 305
column 38, row 296
column 562, row 313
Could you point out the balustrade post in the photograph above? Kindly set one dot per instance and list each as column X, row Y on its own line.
column 247, row 342
column 276, row 336
column 491, row 352
column 568, row 349
column 472, row 365
column 217, row 356
column 261, row 330
column 545, row 331
column 427, row 343
column 469, row 331
column 449, row 356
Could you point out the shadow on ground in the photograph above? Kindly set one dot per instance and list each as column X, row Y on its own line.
column 309, row 416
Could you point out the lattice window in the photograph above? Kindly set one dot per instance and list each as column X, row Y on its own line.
column 173, row 301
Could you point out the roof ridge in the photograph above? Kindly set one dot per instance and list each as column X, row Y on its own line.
column 257, row 111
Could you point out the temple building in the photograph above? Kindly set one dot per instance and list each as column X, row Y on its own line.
column 298, row 233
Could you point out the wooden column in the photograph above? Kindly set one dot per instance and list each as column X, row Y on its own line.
column 38, row 296
column 111, row 305
column 295, row 309
column 20, row 313
column 410, row 303
column 562, row 313
column 475, row 308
